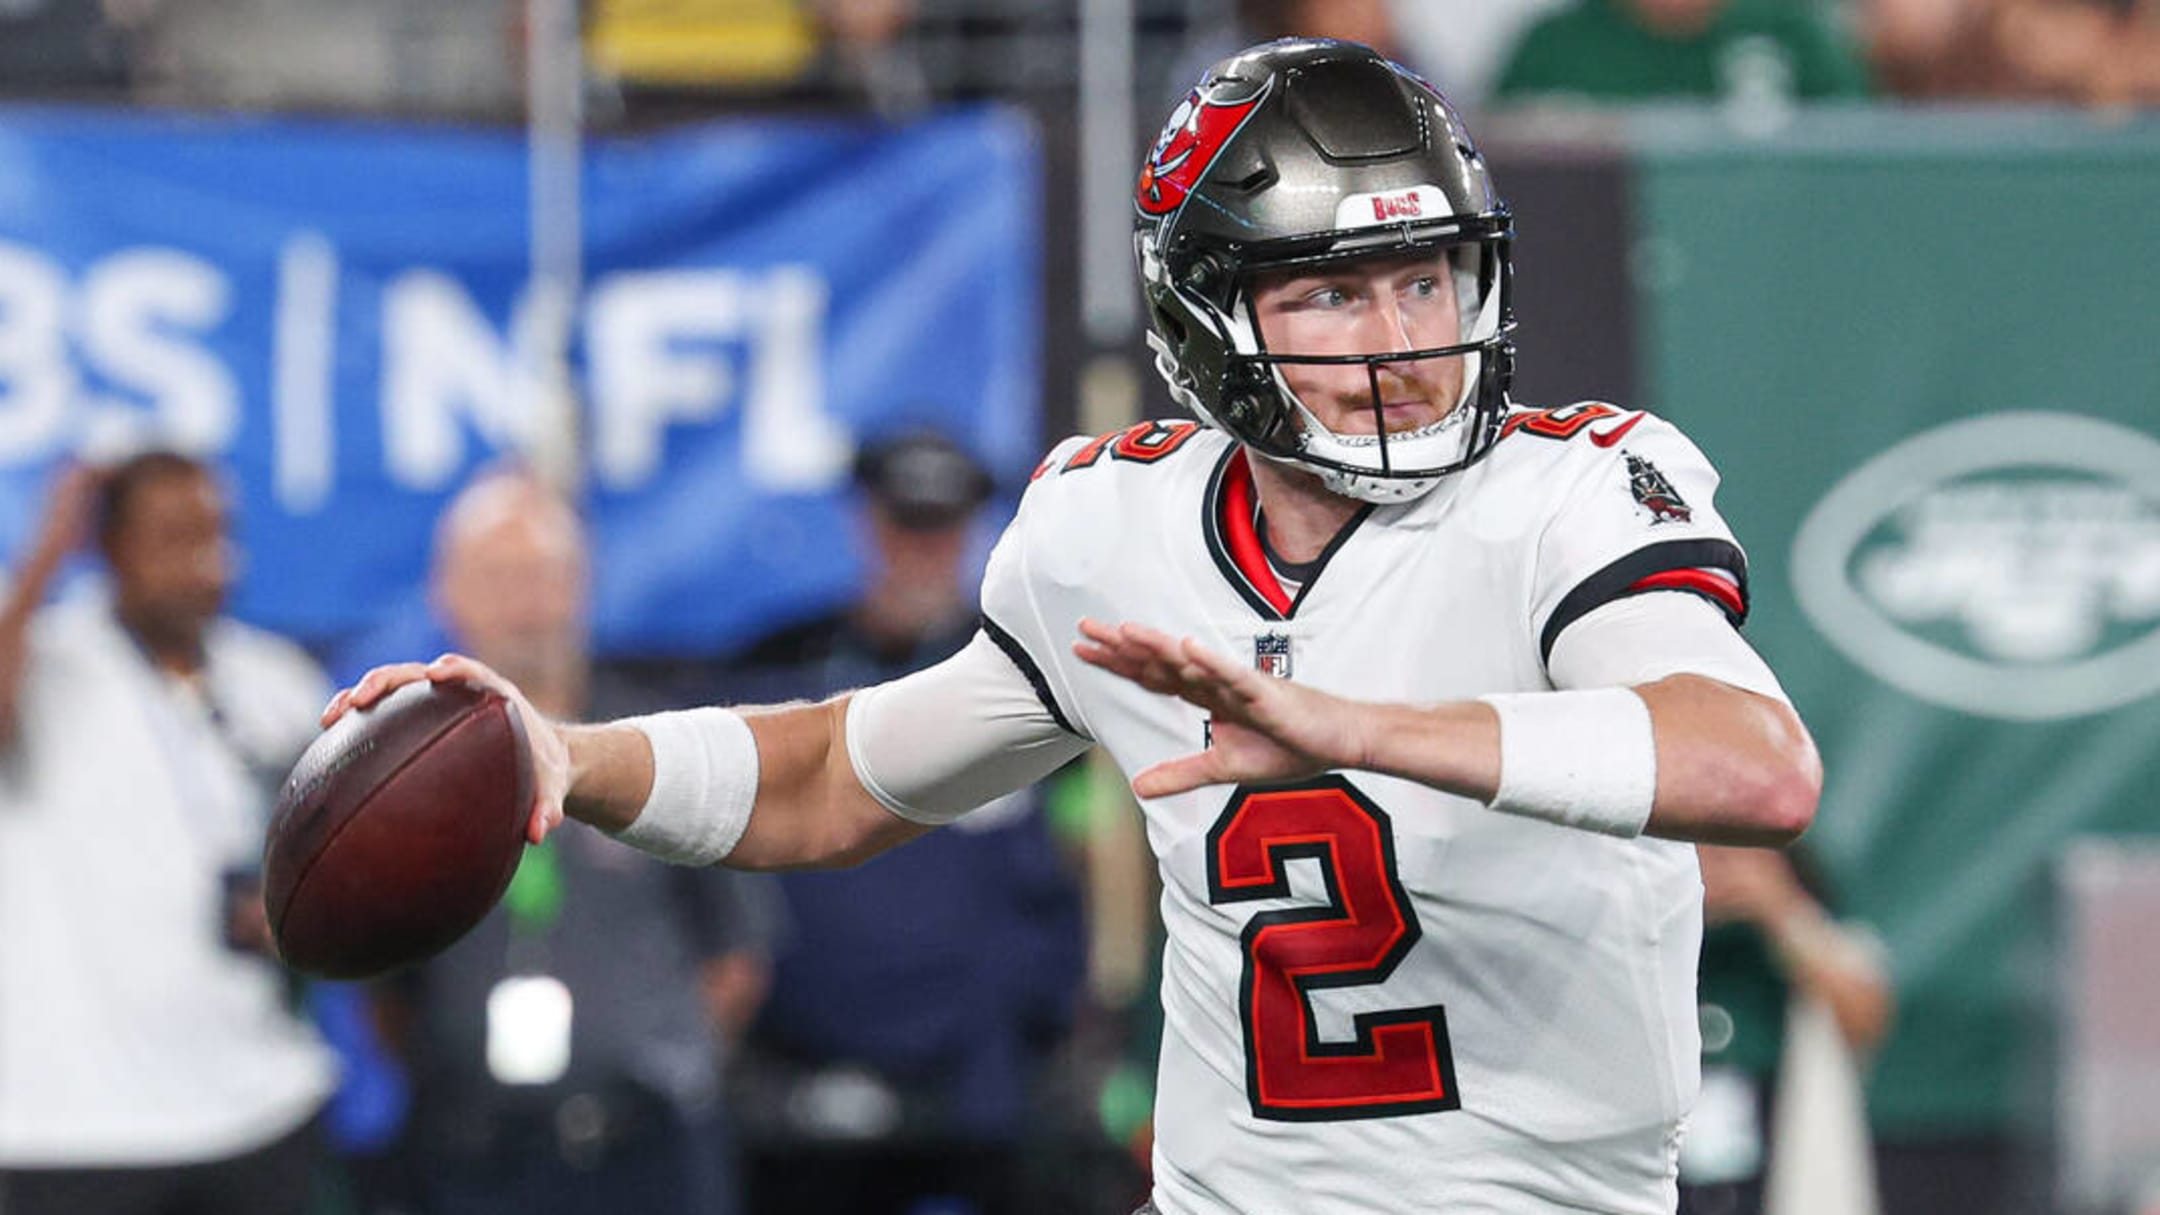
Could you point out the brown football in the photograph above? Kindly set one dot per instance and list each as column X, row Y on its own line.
column 397, row 830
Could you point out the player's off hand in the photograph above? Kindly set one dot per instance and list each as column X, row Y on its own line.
column 550, row 754
column 1264, row 729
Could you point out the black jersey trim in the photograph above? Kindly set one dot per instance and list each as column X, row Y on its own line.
column 1618, row 581
column 1300, row 572
column 1026, row 662
column 1319, row 563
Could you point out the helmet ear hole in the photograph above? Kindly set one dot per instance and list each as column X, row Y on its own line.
column 1205, row 277
column 1246, row 391
column 1170, row 325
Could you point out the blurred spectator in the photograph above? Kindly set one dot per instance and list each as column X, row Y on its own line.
column 1464, row 44
column 434, row 56
column 569, row 1062
column 868, row 56
column 926, row 1100
column 699, row 44
column 2080, row 51
column 675, row 61
column 1769, row 948
column 61, row 47
column 1371, row 22
column 151, row 1062
column 1929, row 48
column 1637, row 50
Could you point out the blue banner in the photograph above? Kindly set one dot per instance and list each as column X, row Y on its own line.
column 342, row 314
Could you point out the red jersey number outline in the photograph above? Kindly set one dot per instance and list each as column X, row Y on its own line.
column 1140, row 443
column 1399, row 1061
column 1568, row 421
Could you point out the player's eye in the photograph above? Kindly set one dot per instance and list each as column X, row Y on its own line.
column 1328, row 297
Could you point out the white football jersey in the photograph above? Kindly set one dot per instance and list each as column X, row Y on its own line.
column 1379, row 997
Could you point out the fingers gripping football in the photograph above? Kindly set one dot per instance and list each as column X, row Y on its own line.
column 550, row 755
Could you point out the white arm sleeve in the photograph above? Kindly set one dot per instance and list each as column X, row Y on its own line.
column 1644, row 638
column 936, row 744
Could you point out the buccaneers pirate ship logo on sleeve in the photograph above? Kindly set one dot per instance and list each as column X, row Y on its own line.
column 1654, row 493
column 1191, row 141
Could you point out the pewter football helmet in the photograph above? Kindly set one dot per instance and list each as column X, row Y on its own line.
column 1302, row 153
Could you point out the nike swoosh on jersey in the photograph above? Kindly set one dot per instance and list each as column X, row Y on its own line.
column 1617, row 433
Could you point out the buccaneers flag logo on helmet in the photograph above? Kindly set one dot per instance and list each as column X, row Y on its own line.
column 1189, row 143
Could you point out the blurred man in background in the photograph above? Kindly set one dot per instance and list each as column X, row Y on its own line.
column 1640, row 50
column 2091, row 52
column 921, row 494
column 1371, row 22
column 150, row 1060
column 570, row 1063
column 1463, row 44
column 867, row 56
column 929, row 1098
column 1772, row 952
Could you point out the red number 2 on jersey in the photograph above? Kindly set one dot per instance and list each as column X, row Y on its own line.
column 1399, row 1061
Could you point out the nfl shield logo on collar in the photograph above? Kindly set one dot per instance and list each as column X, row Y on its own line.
column 1271, row 655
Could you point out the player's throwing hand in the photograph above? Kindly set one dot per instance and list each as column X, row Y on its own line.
column 551, row 755
column 1264, row 729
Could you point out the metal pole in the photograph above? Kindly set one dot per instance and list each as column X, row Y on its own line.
column 1107, row 163
column 555, row 120
column 1120, row 874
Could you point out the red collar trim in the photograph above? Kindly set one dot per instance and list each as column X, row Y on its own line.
column 1240, row 538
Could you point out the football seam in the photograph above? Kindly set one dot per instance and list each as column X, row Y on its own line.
column 300, row 879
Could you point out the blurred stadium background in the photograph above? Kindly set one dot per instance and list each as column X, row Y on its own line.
column 689, row 254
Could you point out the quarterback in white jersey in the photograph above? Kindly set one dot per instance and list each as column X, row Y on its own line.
column 1425, row 697
column 1374, row 988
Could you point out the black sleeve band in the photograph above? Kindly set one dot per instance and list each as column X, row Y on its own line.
column 1622, row 578
column 1020, row 658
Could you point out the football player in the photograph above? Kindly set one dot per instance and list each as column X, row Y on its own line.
column 1424, row 696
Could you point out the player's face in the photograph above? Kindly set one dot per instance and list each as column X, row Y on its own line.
column 1376, row 306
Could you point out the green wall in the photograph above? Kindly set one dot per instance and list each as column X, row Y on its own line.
column 1984, row 643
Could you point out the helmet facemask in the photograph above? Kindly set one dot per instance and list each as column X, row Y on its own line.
column 1392, row 438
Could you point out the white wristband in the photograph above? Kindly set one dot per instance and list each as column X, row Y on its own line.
column 705, row 777
column 1582, row 759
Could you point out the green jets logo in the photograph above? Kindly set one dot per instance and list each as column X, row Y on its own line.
column 2006, row 566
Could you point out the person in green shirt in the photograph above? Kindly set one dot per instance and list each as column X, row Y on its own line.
column 1640, row 50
